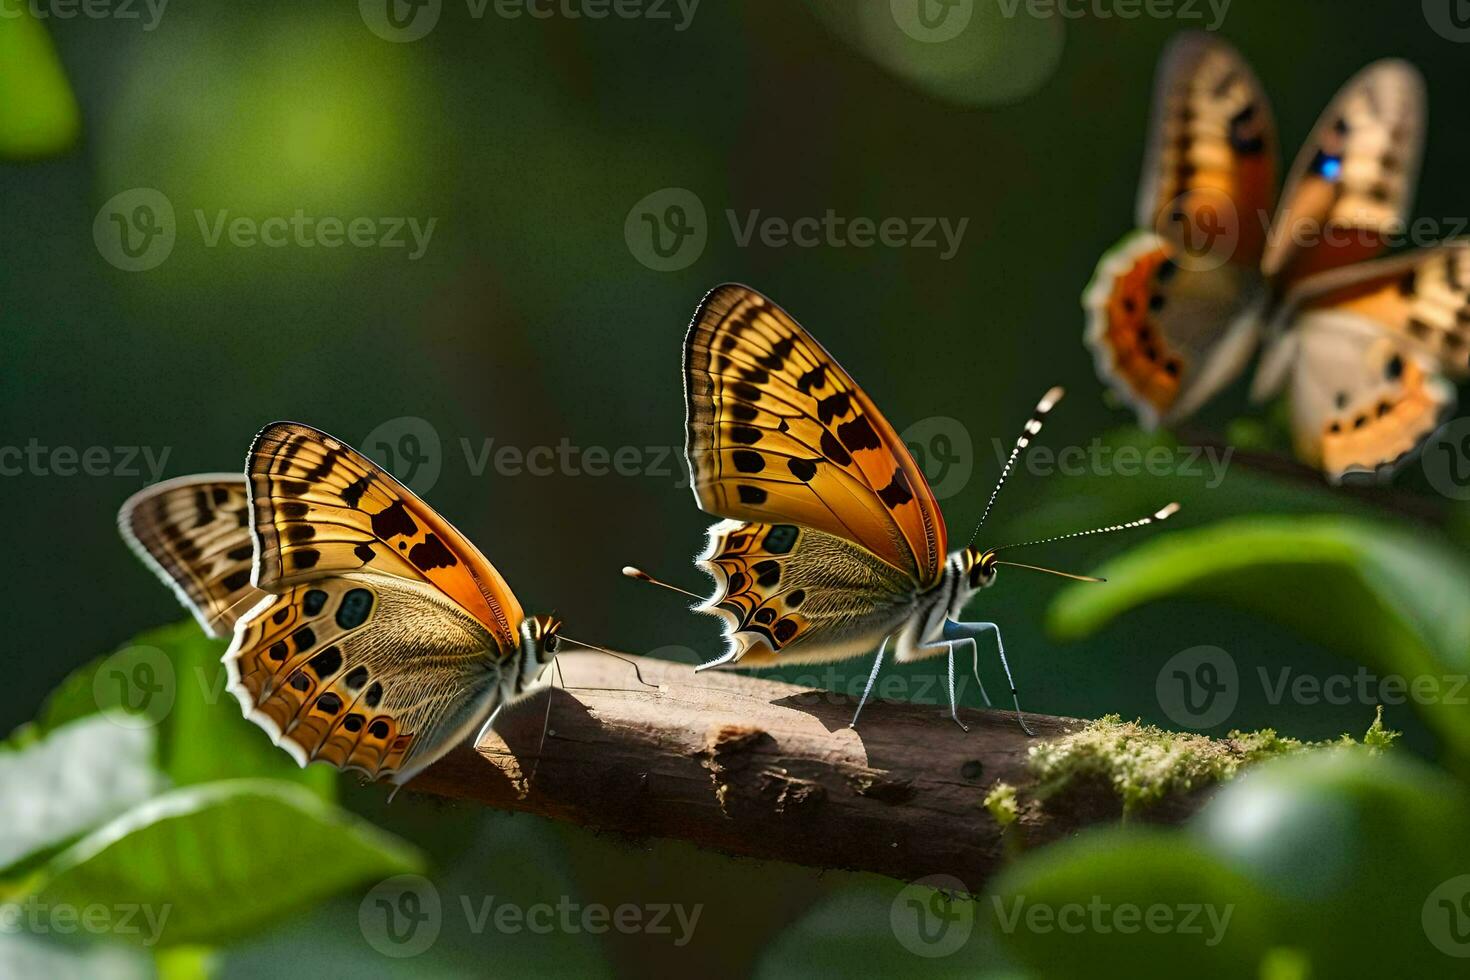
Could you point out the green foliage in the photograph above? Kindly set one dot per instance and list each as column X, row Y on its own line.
column 1375, row 593
column 219, row 861
column 38, row 113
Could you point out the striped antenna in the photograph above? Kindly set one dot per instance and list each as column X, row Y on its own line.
column 1161, row 515
column 1033, row 426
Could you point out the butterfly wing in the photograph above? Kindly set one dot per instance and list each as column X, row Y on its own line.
column 790, row 594
column 387, row 635
column 194, row 533
column 321, row 508
column 1172, row 311
column 1354, row 179
column 778, row 432
column 366, row 671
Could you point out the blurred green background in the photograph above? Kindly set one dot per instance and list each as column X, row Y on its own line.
column 533, row 317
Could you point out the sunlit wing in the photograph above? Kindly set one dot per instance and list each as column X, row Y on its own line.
column 778, row 432
column 194, row 532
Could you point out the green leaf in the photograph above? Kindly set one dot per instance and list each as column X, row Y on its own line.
column 207, row 864
column 1126, row 902
column 173, row 676
column 1376, row 594
column 58, row 786
column 1350, row 850
column 38, row 113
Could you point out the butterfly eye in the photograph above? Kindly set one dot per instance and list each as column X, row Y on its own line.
column 552, row 642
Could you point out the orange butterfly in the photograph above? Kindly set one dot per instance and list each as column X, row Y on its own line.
column 368, row 632
column 835, row 544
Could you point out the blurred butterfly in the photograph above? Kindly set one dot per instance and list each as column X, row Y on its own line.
column 834, row 543
column 1176, row 311
column 368, row 632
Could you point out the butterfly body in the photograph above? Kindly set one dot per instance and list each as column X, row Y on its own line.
column 367, row 632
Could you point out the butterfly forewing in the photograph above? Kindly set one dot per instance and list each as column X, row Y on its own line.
column 779, row 432
column 194, row 532
column 321, row 508
column 1353, row 182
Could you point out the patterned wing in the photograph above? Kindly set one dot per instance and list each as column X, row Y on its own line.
column 1211, row 160
column 1172, row 311
column 1363, row 400
column 779, row 432
column 321, row 508
column 194, row 532
column 366, row 671
column 1354, row 180
column 790, row 594
column 1165, row 335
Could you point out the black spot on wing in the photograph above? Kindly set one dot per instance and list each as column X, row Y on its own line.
column 746, row 435
column 430, row 554
column 392, row 521
column 858, row 434
column 781, row 538
column 749, row 494
column 305, row 558
column 356, row 678
column 352, row 493
column 326, row 663
column 748, row 461
column 767, row 572
column 834, row 406
column 813, row 379
column 236, row 579
column 802, row 469
column 897, row 493
column 832, row 449
column 364, row 553
column 313, row 602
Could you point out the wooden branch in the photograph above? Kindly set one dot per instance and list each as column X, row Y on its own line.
column 770, row 770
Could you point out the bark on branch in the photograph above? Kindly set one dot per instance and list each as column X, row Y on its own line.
column 765, row 769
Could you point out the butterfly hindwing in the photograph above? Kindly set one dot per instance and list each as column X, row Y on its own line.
column 194, row 532
column 1353, row 181
column 790, row 594
column 365, row 671
column 779, row 432
column 320, row 508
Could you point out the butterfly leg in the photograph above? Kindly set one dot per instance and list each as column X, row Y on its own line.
column 871, row 678
column 953, row 706
column 960, row 631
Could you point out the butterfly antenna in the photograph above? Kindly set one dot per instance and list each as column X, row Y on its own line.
column 1052, row 571
column 1160, row 515
column 642, row 576
column 1032, row 428
column 597, row 649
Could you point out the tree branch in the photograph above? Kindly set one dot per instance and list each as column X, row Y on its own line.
column 770, row 770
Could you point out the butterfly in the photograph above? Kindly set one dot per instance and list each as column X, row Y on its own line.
column 367, row 632
column 833, row 543
column 1175, row 311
